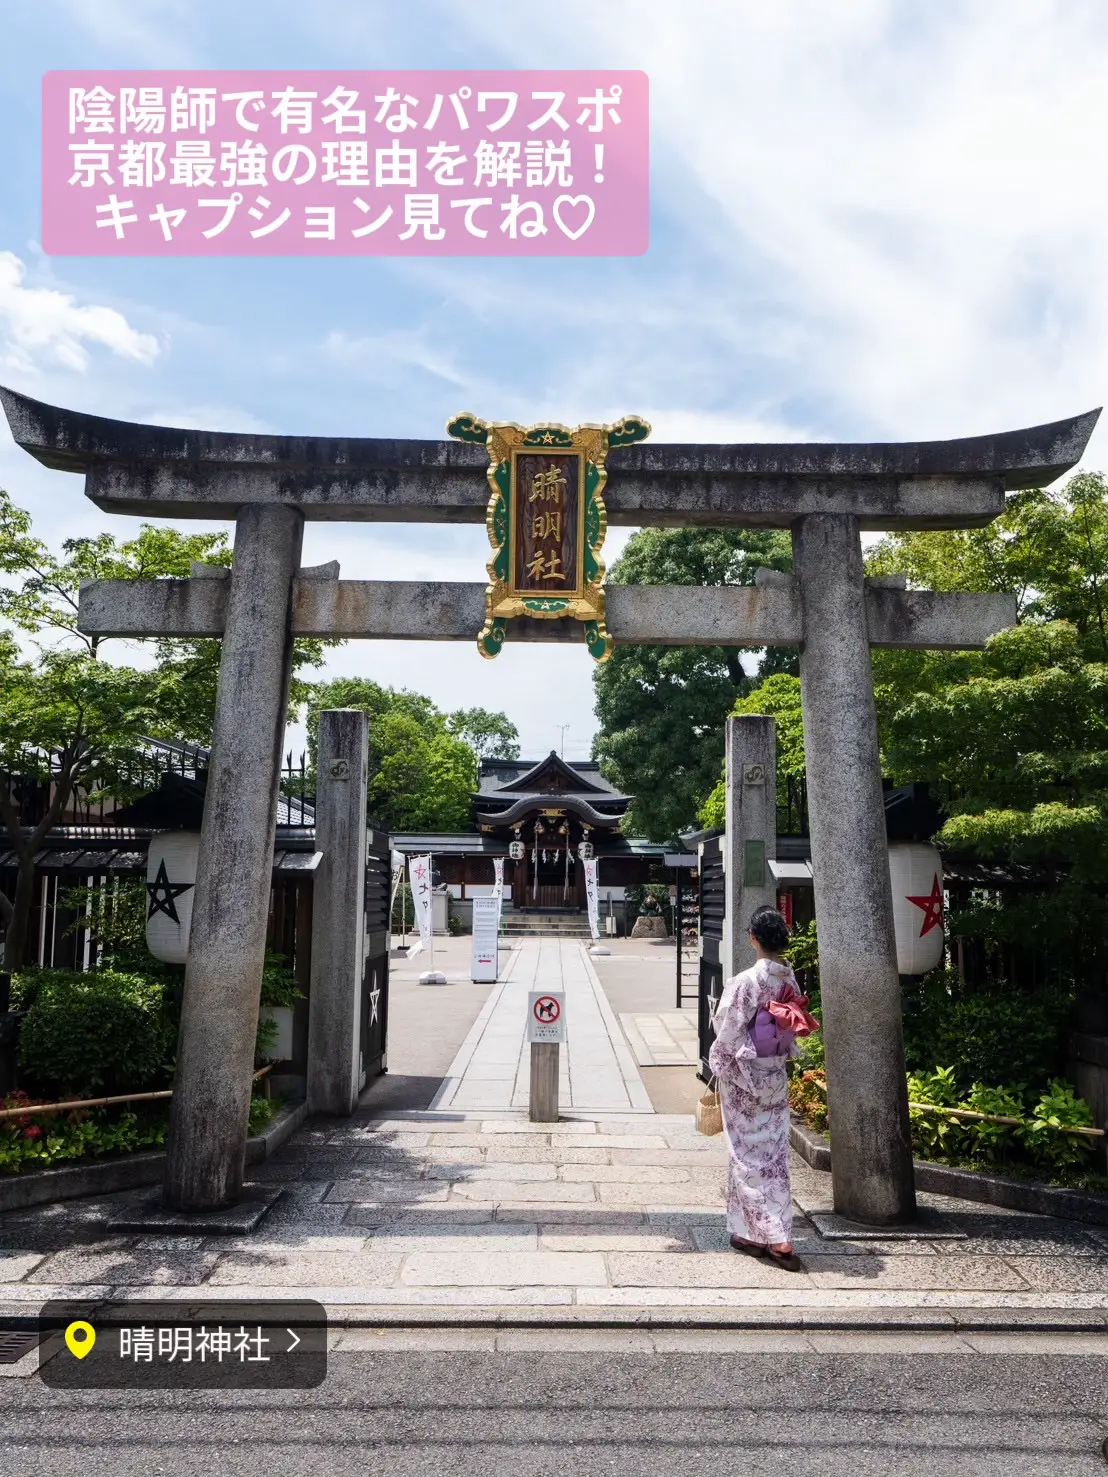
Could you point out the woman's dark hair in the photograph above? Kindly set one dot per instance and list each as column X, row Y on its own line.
column 770, row 929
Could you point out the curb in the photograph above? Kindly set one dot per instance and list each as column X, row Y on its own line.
column 972, row 1184
column 753, row 1320
column 106, row 1177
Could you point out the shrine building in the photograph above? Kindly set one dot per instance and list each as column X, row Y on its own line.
column 544, row 817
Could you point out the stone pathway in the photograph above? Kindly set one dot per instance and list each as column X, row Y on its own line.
column 666, row 1040
column 491, row 1070
column 603, row 1218
column 466, row 1212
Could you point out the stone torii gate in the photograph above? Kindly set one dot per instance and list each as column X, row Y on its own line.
column 826, row 494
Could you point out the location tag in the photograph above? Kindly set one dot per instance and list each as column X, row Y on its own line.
column 79, row 1338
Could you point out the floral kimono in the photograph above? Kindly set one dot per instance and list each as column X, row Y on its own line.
column 754, row 1098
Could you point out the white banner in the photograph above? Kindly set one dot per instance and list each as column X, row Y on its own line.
column 397, row 876
column 419, row 877
column 498, row 885
column 592, row 896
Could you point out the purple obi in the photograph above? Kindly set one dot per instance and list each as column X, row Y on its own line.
column 768, row 1037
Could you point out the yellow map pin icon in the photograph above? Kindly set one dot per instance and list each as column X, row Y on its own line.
column 79, row 1338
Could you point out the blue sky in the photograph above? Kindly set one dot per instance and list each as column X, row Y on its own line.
column 870, row 220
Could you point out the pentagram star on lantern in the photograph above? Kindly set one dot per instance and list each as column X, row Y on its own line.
column 932, row 906
column 162, row 892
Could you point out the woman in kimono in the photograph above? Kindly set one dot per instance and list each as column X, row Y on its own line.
column 756, row 1022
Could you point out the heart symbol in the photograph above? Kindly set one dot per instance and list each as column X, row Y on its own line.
column 571, row 201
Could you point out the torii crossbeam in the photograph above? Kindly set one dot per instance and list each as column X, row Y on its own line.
column 825, row 494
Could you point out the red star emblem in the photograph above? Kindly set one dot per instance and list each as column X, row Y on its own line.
column 932, row 906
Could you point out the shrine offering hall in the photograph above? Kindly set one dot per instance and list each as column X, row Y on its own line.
column 545, row 817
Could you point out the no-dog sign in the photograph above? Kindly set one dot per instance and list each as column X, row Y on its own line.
column 546, row 1016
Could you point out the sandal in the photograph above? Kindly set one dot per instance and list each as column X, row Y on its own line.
column 788, row 1260
column 751, row 1248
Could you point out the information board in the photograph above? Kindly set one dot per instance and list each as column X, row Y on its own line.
column 486, row 928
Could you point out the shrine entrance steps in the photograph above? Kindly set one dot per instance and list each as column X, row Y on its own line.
column 564, row 925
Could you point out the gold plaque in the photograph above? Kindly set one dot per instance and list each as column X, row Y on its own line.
column 546, row 522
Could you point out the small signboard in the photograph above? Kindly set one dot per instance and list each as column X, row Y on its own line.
column 486, row 929
column 546, row 1017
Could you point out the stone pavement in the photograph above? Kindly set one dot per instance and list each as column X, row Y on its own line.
column 667, row 1039
column 435, row 1216
column 491, row 1070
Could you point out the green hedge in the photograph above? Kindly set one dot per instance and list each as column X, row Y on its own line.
column 94, row 1035
column 996, row 1036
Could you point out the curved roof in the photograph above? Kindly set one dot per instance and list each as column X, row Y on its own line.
column 528, row 804
column 552, row 775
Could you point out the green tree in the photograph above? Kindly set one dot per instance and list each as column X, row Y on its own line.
column 489, row 735
column 66, row 720
column 41, row 598
column 1049, row 548
column 422, row 772
column 1013, row 739
column 70, row 720
column 661, row 708
column 42, row 592
column 778, row 697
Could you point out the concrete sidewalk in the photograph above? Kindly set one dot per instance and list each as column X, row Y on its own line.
column 491, row 1070
column 437, row 1218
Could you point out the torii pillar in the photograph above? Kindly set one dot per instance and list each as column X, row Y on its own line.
column 867, row 1095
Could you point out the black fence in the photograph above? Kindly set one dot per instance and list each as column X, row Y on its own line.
column 87, row 861
column 97, row 800
column 713, row 907
column 792, row 817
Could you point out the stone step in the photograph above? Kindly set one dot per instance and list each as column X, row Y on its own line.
column 564, row 930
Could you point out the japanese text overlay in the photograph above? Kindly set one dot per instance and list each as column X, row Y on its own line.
column 270, row 163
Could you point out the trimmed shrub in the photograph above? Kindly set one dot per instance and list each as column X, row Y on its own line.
column 94, row 1035
column 1000, row 1037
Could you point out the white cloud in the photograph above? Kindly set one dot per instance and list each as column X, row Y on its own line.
column 43, row 326
column 903, row 202
column 379, row 355
column 154, row 32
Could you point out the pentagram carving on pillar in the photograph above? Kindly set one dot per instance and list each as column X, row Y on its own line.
column 162, row 892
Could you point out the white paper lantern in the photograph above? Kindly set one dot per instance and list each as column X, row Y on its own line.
column 170, row 889
column 916, row 872
column 516, row 851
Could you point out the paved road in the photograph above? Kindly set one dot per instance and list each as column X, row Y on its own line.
column 849, row 1410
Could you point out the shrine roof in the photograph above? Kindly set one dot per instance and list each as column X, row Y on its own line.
column 543, row 778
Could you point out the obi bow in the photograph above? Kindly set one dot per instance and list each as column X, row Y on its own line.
column 792, row 1015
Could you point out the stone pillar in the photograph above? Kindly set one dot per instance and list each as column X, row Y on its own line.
column 338, row 913
column 871, row 1153
column 219, row 1016
column 751, row 838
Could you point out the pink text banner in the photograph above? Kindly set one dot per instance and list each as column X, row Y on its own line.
column 345, row 163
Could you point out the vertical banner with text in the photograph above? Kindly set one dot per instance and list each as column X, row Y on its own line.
column 276, row 163
column 592, row 895
column 419, row 873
